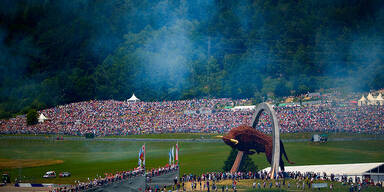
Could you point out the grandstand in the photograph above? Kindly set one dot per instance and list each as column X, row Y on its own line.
column 110, row 117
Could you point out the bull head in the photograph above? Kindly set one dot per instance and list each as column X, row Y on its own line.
column 229, row 141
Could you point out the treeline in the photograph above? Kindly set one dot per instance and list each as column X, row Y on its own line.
column 55, row 51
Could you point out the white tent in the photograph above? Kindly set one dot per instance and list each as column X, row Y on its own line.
column 41, row 118
column 371, row 100
column 373, row 170
column 361, row 101
column 133, row 99
column 245, row 108
column 380, row 99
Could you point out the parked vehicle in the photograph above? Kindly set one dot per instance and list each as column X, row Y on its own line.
column 50, row 174
column 65, row 174
column 5, row 178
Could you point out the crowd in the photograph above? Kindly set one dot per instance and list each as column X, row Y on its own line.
column 118, row 177
column 298, row 180
column 111, row 117
column 208, row 181
column 101, row 181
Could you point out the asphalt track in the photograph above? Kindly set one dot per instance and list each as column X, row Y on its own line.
column 178, row 140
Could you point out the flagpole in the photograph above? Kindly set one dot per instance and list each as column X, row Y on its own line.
column 145, row 154
column 173, row 155
column 177, row 152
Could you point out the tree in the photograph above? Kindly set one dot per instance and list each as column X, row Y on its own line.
column 281, row 89
column 246, row 164
column 32, row 117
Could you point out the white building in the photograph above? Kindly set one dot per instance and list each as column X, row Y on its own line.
column 375, row 171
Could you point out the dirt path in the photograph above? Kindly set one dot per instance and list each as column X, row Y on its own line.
column 22, row 189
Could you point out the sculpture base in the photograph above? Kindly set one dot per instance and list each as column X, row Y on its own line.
column 236, row 164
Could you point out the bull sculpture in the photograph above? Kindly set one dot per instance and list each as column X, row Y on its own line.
column 249, row 140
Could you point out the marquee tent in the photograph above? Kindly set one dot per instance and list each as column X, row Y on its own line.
column 361, row 101
column 133, row 99
column 245, row 108
column 380, row 99
column 371, row 100
column 42, row 118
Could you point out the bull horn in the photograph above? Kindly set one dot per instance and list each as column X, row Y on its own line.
column 234, row 141
column 219, row 136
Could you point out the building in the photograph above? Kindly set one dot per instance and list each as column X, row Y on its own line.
column 374, row 171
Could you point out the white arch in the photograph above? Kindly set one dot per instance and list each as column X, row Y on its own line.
column 275, row 134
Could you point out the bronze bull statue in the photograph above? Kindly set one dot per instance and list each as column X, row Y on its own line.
column 249, row 140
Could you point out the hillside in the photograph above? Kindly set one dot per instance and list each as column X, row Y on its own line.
column 53, row 52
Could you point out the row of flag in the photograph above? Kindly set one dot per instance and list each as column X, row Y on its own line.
column 173, row 155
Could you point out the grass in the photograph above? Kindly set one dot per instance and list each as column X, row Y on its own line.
column 89, row 158
column 307, row 135
column 23, row 163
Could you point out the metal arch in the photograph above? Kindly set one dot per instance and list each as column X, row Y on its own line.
column 275, row 134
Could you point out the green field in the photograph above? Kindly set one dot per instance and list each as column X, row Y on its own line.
column 306, row 135
column 88, row 158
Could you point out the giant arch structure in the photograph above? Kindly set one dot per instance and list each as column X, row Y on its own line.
column 265, row 107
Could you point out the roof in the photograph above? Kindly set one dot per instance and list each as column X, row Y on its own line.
column 337, row 169
column 379, row 97
column 370, row 97
column 133, row 98
column 42, row 118
column 249, row 107
column 362, row 98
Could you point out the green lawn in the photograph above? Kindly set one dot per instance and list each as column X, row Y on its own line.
column 213, row 135
column 88, row 158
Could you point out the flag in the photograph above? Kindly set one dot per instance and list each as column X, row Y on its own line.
column 170, row 157
column 142, row 156
column 173, row 155
column 177, row 152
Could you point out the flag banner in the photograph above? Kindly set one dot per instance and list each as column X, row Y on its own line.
column 177, row 152
column 170, row 157
column 142, row 155
column 173, row 155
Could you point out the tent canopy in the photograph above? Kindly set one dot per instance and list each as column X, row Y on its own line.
column 370, row 97
column 379, row 97
column 133, row 98
column 246, row 108
column 362, row 98
column 42, row 118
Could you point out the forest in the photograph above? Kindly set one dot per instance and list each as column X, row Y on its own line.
column 55, row 52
